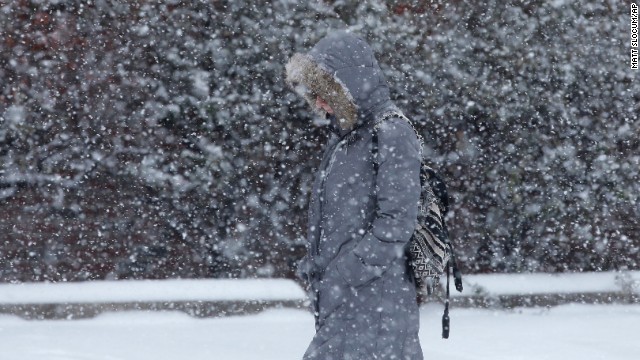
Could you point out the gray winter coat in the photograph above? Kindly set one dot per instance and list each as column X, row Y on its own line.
column 361, row 287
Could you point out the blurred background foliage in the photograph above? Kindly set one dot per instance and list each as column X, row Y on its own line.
column 157, row 139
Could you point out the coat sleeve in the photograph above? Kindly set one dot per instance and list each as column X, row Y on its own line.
column 398, row 183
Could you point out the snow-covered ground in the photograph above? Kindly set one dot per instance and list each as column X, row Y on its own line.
column 584, row 332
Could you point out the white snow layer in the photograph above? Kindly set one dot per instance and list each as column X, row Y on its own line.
column 568, row 332
column 543, row 283
column 585, row 332
column 283, row 289
column 151, row 290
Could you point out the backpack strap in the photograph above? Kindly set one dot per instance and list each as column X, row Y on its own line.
column 445, row 317
column 374, row 150
column 441, row 193
column 397, row 113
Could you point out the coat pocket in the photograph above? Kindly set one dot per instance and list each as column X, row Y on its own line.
column 355, row 272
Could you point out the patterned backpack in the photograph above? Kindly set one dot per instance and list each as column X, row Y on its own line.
column 430, row 252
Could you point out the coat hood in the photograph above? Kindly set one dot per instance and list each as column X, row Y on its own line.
column 342, row 69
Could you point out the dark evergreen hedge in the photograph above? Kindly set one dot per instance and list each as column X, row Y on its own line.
column 155, row 139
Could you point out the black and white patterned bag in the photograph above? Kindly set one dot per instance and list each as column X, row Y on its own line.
column 429, row 248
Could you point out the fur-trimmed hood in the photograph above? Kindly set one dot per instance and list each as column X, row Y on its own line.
column 342, row 69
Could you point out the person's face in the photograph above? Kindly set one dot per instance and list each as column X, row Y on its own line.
column 320, row 103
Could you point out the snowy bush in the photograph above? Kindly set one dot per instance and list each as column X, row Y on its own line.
column 157, row 138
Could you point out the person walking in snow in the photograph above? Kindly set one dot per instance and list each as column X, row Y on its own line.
column 360, row 223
